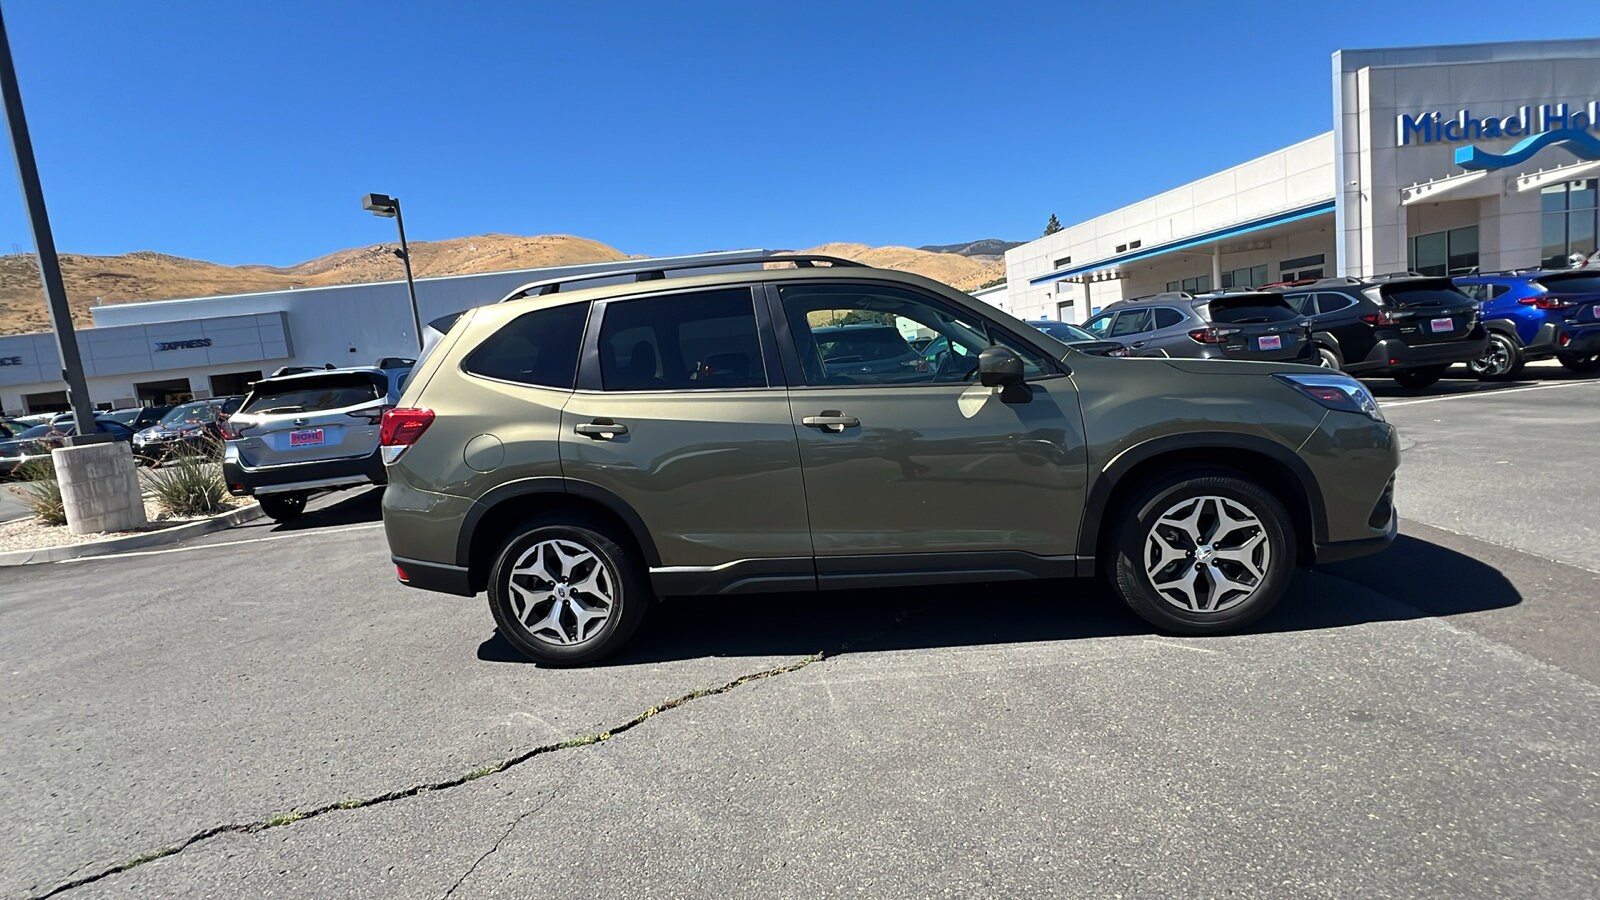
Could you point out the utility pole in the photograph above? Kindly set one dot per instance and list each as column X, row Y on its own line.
column 49, row 266
column 389, row 208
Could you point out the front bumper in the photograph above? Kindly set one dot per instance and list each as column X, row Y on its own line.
column 1395, row 355
column 244, row 481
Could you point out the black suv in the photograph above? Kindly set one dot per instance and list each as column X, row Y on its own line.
column 1409, row 327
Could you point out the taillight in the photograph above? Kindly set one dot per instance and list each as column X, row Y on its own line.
column 1381, row 317
column 228, row 434
column 401, row 428
column 1206, row 336
column 1547, row 301
column 373, row 416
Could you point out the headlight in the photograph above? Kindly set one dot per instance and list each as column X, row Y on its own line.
column 1339, row 392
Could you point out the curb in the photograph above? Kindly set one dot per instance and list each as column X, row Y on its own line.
column 133, row 542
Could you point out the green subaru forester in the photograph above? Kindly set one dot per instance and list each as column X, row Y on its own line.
column 577, row 452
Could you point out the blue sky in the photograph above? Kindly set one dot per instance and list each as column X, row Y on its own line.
column 246, row 133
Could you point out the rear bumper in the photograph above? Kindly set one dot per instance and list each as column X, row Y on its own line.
column 1394, row 354
column 1562, row 337
column 244, row 481
column 433, row 576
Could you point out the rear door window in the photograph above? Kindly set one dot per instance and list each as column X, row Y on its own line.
column 538, row 348
column 1131, row 321
column 315, row 393
column 685, row 341
column 1167, row 317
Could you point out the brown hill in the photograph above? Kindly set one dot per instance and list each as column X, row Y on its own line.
column 953, row 269
column 146, row 275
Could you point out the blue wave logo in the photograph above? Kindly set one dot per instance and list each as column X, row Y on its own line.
column 1582, row 144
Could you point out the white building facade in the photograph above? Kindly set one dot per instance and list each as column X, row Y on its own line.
column 1442, row 160
column 167, row 351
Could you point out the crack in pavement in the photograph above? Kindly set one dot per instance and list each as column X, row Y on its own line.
column 291, row 817
column 491, row 851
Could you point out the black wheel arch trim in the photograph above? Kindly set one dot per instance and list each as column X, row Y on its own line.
column 1504, row 327
column 553, row 484
column 1329, row 340
column 1095, row 508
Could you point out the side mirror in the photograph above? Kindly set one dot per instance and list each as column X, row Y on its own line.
column 999, row 367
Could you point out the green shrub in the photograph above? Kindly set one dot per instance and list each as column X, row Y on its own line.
column 41, row 492
column 189, row 485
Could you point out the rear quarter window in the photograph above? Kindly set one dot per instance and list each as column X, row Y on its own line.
column 538, row 348
column 315, row 393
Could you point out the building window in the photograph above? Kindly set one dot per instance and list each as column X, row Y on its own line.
column 1122, row 248
column 1568, row 223
column 1196, row 285
column 233, row 383
column 1134, row 245
column 163, row 393
column 1249, row 276
column 1453, row 252
column 1063, row 261
column 1302, row 268
column 47, row 402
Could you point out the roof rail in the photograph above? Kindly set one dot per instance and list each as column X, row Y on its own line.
column 1392, row 276
column 648, row 270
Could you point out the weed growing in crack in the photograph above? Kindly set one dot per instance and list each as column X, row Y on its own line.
column 287, row 818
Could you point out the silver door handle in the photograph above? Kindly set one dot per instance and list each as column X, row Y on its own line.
column 601, row 429
column 831, row 421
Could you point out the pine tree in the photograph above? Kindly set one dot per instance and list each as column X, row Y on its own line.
column 1052, row 226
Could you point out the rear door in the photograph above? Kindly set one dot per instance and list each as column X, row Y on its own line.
column 920, row 470
column 682, row 414
column 309, row 418
column 1428, row 310
column 1258, row 326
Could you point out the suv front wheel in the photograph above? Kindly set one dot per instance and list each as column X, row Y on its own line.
column 566, row 594
column 1203, row 553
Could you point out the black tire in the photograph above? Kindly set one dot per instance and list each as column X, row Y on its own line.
column 1130, row 580
column 1582, row 365
column 282, row 507
column 1501, row 361
column 624, row 576
column 1327, row 359
column 1425, row 376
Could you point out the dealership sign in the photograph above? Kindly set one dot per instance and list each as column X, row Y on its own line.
column 1527, row 121
column 196, row 344
column 10, row 360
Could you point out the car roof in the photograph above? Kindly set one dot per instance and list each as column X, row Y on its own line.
column 314, row 373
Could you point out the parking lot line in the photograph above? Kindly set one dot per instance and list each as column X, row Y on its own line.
column 1502, row 393
column 259, row 540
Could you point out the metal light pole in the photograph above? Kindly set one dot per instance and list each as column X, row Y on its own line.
column 49, row 266
column 389, row 207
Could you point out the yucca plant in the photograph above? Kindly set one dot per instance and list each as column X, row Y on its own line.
column 189, row 485
column 42, row 492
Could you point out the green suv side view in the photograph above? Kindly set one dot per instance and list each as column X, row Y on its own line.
column 576, row 453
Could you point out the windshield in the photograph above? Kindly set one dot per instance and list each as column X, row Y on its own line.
column 864, row 344
column 190, row 413
column 1064, row 332
column 314, row 393
column 1571, row 283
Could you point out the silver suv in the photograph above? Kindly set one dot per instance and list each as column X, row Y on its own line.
column 1247, row 324
column 299, row 435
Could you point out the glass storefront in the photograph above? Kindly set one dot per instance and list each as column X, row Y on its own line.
column 1568, row 223
column 1453, row 252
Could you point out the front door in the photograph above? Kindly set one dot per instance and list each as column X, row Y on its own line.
column 679, row 415
column 910, row 465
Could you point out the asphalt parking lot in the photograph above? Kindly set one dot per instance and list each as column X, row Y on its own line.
column 267, row 711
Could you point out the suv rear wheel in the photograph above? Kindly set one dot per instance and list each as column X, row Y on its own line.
column 1420, row 378
column 1327, row 359
column 1583, row 365
column 1203, row 553
column 566, row 594
column 282, row 507
column 1502, row 359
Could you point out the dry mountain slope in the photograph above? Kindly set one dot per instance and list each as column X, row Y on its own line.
column 952, row 269
column 145, row 275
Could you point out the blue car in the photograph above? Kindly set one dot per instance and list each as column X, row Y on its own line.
column 1537, row 314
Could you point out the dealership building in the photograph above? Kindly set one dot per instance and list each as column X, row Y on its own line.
column 162, row 352
column 1442, row 160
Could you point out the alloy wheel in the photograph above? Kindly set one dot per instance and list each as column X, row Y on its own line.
column 561, row 592
column 1493, row 363
column 1207, row 554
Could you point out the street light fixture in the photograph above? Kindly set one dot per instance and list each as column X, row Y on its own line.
column 389, row 208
